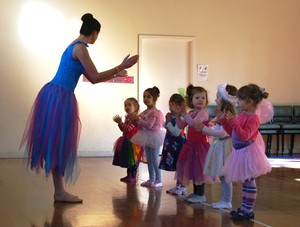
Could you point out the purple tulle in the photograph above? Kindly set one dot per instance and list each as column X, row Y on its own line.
column 52, row 133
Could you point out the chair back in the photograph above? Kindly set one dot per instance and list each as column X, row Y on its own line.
column 296, row 114
column 283, row 114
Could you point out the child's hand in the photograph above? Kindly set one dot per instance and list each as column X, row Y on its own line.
column 168, row 117
column 183, row 108
column 217, row 111
column 229, row 115
column 220, row 115
column 117, row 119
column 133, row 117
column 199, row 126
column 213, row 121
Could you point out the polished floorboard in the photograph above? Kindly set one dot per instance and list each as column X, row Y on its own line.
column 27, row 199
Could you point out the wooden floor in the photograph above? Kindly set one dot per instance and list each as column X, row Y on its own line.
column 27, row 200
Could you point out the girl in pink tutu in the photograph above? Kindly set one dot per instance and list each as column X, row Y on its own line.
column 150, row 135
column 247, row 160
column 127, row 154
column 192, row 156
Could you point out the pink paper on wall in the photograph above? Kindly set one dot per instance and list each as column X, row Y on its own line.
column 124, row 80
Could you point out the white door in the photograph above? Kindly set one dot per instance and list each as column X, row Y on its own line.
column 166, row 62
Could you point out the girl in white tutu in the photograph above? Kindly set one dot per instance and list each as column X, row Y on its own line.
column 247, row 160
column 150, row 135
column 221, row 145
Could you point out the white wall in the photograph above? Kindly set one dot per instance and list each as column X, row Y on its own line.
column 241, row 41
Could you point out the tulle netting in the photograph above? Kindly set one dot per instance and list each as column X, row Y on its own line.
column 52, row 133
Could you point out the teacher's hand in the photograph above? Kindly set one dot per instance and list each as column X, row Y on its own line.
column 129, row 61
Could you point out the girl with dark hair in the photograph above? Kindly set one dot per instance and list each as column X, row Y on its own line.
column 174, row 140
column 150, row 135
column 52, row 132
column 247, row 160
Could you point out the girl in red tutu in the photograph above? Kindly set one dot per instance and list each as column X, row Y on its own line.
column 192, row 156
column 247, row 160
column 52, row 132
column 127, row 154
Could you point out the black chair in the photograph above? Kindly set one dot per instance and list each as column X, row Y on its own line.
column 269, row 130
column 283, row 116
column 292, row 129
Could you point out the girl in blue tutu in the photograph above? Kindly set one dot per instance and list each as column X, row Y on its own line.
column 52, row 132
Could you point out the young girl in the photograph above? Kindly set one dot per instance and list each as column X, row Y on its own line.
column 221, row 145
column 192, row 156
column 248, row 160
column 174, row 140
column 127, row 154
column 150, row 135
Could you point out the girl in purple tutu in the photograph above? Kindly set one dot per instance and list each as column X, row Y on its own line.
column 247, row 160
column 192, row 156
column 52, row 132
column 127, row 154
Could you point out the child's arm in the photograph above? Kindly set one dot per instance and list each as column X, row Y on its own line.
column 126, row 126
column 179, row 110
column 200, row 117
column 119, row 121
column 218, row 133
column 174, row 129
column 246, row 131
column 150, row 121
column 225, row 123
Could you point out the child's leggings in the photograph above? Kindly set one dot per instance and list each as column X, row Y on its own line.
column 226, row 190
column 199, row 189
column 249, row 195
column 152, row 155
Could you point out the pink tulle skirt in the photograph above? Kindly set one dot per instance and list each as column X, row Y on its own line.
column 191, row 163
column 52, row 133
column 246, row 163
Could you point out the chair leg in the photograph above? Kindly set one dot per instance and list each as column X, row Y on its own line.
column 292, row 144
column 269, row 145
column 282, row 144
column 277, row 144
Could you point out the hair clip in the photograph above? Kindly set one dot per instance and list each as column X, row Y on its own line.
column 262, row 90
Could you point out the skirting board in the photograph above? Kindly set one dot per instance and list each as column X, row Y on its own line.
column 80, row 154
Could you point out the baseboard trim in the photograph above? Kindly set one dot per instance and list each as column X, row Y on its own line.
column 80, row 154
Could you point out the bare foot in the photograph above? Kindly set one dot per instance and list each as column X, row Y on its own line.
column 67, row 198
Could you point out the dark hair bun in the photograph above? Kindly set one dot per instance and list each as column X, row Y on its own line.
column 88, row 17
column 156, row 90
column 265, row 95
